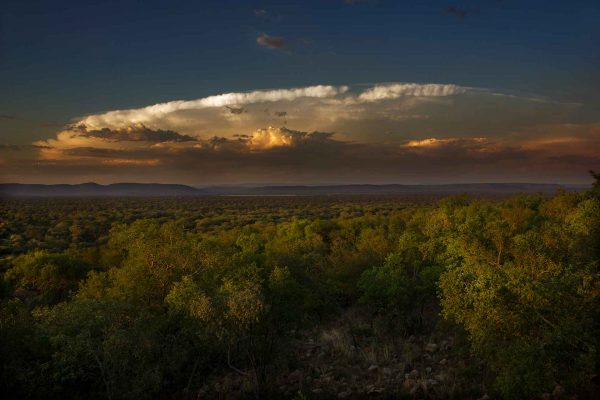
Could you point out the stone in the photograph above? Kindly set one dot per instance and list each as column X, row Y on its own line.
column 295, row 376
column 373, row 368
column 443, row 361
column 431, row 347
column 386, row 371
column 345, row 394
column 558, row 392
column 408, row 384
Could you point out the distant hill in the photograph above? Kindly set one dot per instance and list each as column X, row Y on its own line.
column 156, row 189
column 96, row 190
column 473, row 188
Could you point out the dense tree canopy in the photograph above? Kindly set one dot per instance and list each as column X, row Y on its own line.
column 146, row 298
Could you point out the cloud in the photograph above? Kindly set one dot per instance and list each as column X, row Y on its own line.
column 127, row 161
column 385, row 132
column 264, row 139
column 279, row 155
column 436, row 143
column 394, row 91
column 235, row 110
column 134, row 133
column 260, row 12
column 157, row 113
column 271, row 42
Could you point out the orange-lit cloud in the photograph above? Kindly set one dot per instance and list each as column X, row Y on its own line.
column 395, row 132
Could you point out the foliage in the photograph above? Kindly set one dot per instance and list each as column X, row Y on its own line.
column 146, row 298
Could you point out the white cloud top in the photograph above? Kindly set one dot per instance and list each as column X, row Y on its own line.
column 149, row 114
column 396, row 90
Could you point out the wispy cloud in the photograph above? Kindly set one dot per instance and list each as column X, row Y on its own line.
column 260, row 12
column 394, row 91
column 271, row 42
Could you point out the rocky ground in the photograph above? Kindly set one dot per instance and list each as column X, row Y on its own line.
column 355, row 356
column 359, row 356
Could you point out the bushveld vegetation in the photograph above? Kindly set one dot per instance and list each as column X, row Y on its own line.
column 328, row 297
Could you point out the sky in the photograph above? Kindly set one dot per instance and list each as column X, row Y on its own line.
column 304, row 92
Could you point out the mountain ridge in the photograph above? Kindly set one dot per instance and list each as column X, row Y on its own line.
column 126, row 189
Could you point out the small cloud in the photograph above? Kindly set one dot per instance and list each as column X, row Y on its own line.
column 133, row 133
column 431, row 143
column 271, row 42
column 269, row 138
column 236, row 110
column 260, row 12
column 128, row 161
column 280, row 113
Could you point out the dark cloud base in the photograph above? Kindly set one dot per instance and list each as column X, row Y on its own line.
column 309, row 158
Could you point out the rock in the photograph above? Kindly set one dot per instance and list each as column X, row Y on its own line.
column 414, row 374
column 386, row 371
column 420, row 386
column 295, row 376
column 408, row 384
column 443, row 361
column 432, row 382
column 373, row 368
column 372, row 389
column 431, row 347
column 558, row 392
column 345, row 394
column 317, row 391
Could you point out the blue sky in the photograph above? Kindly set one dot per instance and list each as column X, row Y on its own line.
column 62, row 60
